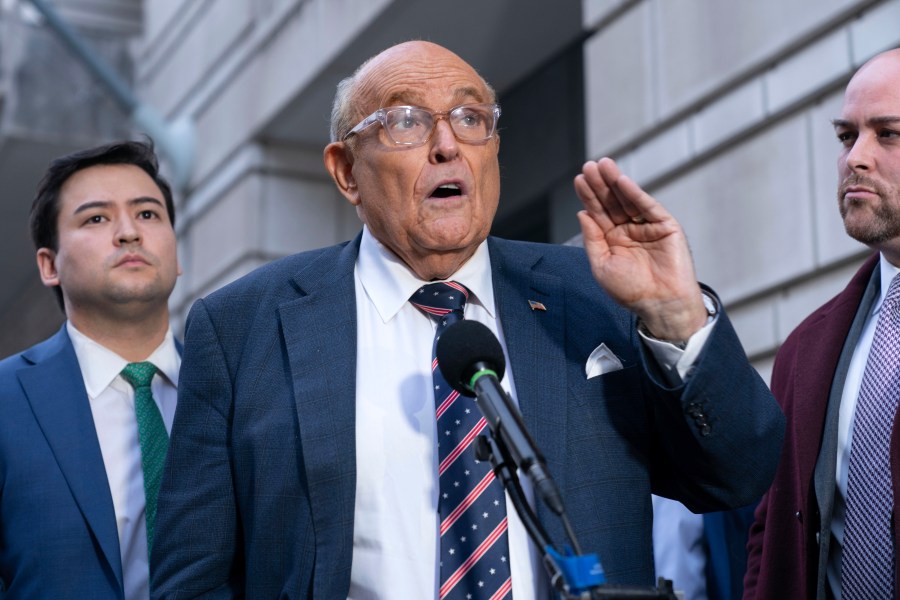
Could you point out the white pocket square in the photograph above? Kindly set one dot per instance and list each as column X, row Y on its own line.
column 602, row 360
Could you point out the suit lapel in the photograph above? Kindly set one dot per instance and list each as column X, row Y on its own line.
column 535, row 342
column 319, row 330
column 824, row 339
column 55, row 389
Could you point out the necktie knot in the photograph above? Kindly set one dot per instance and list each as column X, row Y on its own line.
column 440, row 299
column 139, row 374
column 892, row 298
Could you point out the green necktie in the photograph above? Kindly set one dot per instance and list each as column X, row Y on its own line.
column 152, row 436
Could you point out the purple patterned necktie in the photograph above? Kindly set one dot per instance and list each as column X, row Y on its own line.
column 474, row 541
column 867, row 562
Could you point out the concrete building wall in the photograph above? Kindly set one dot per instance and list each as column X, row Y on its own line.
column 257, row 77
column 722, row 111
column 231, row 67
column 49, row 105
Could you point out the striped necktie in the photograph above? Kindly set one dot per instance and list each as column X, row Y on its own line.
column 474, row 547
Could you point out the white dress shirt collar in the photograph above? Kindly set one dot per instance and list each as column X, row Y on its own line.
column 100, row 365
column 887, row 272
column 389, row 283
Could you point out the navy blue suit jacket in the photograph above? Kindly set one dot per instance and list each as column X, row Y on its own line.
column 258, row 494
column 58, row 536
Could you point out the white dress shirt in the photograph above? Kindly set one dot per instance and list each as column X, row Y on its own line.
column 112, row 405
column 679, row 550
column 846, row 417
column 396, row 519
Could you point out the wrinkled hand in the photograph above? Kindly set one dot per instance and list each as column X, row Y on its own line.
column 638, row 252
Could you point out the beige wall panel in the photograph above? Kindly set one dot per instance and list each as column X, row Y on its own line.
column 876, row 30
column 278, row 72
column 796, row 303
column 665, row 151
column 302, row 215
column 197, row 52
column 755, row 326
column 617, row 84
column 160, row 16
column 705, row 43
column 227, row 232
column 746, row 212
column 729, row 114
column 814, row 67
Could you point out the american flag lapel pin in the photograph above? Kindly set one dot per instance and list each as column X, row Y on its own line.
column 535, row 305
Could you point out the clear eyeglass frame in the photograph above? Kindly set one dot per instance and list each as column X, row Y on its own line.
column 424, row 121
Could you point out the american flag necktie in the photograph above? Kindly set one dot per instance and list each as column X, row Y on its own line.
column 868, row 553
column 474, row 546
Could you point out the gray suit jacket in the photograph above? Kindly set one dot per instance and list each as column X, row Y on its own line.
column 258, row 495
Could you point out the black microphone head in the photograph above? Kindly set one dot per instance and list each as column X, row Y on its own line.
column 464, row 345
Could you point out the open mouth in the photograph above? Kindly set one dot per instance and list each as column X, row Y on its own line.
column 448, row 190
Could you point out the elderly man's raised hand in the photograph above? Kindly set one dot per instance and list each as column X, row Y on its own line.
column 638, row 252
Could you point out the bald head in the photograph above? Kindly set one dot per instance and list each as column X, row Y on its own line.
column 885, row 63
column 401, row 62
column 869, row 161
column 429, row 201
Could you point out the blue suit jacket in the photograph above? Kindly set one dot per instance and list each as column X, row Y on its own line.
column 258, row 494
column 58, row 536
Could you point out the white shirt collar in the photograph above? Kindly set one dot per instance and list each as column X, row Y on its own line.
column 887, row 273
column 100, row 365
column 389, row 283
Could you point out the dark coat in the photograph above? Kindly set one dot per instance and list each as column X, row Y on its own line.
column 783, row 551
column 258, row 495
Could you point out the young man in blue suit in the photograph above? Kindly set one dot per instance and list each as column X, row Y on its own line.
column 308, row 455
column 83, row 431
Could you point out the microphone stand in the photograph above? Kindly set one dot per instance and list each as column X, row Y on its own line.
column 574, row 576
column 471, row 364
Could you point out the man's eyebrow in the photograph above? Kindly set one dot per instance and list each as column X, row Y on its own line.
column 145, row 200
column 469, row 92
column 403, row 98
column 106, row 203
column 881, row 120
column 415, row 99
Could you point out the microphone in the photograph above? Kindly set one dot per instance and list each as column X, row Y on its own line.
column 471, row 360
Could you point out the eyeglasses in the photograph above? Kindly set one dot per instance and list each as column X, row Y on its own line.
column 412, row 126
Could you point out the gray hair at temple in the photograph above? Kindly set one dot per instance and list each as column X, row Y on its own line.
column 344, row 114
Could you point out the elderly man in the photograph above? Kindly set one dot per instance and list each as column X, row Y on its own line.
column 828, row 527
column 316, row 452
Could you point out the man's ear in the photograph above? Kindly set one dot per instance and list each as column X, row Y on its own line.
column 46, row 262
column 339, row 163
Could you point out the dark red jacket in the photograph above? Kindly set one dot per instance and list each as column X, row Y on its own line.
column 783, row 553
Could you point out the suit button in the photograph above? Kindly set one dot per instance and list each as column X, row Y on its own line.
column 818, row 538
column 799, row 516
